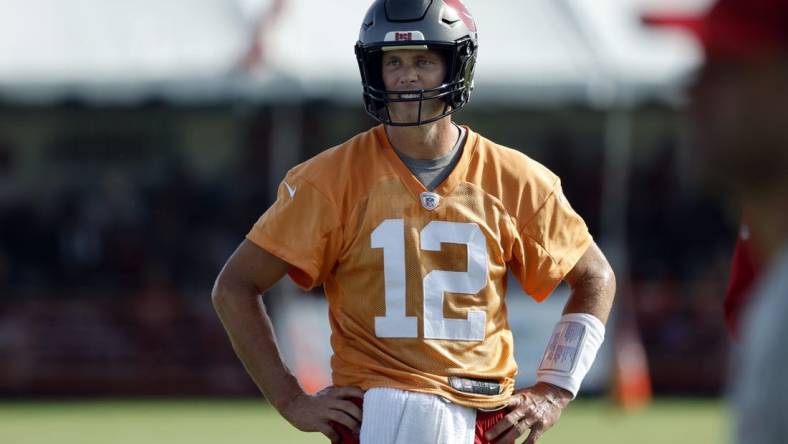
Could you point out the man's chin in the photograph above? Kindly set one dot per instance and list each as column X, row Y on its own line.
column 411, row 113
column 413, row 120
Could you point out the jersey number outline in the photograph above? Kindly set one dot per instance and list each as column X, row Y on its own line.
column 390, row 236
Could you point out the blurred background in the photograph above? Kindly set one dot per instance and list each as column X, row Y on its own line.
column 139, row 142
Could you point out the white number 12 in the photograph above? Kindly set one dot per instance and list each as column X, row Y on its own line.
column 390, row 236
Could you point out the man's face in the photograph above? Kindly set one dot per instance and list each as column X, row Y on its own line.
column 412, row 70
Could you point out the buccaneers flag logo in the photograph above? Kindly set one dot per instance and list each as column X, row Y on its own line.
column 463, row 12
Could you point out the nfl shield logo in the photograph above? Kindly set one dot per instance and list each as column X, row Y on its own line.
column 430, row 201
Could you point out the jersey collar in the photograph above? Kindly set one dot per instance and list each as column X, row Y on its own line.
column 410, row 181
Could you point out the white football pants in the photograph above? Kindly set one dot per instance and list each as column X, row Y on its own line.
column 393, row 416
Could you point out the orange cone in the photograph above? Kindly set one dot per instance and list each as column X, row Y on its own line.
column 632, row 381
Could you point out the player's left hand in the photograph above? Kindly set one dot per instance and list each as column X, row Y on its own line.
column 535, row 408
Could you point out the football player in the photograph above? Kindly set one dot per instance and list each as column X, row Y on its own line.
column 411, row 227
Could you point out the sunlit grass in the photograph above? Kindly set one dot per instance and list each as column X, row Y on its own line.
column 245, row 421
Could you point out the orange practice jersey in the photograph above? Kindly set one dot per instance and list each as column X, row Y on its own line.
column 416, row 293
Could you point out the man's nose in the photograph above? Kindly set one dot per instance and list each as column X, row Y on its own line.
column 409, row 75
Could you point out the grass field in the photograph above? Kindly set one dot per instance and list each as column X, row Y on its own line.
column 247, row 422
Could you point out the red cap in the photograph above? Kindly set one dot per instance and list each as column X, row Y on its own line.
column 737, row 28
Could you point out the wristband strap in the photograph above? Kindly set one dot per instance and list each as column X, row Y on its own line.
column 571, row 351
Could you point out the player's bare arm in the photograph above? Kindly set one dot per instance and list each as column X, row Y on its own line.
column 593, row 285
column 538, row 408
column 237, row 298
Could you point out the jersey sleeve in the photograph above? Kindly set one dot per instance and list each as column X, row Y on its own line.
column 302, row 228
column 551, row 240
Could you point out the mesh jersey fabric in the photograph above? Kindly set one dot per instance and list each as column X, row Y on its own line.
column 351, row 219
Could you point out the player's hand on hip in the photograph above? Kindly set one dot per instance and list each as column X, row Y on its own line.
column 535, row 408
column 313, row 413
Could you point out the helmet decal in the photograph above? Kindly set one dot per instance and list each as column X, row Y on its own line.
column 398, row 36
column 463, row 12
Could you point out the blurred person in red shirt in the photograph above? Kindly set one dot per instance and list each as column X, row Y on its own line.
column 737, row 110
column 727, row 41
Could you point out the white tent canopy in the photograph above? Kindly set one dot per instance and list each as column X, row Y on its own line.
column 530, row 50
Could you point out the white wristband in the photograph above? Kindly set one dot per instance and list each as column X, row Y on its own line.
column 571, row 351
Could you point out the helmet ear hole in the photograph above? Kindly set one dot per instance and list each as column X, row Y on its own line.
column 375, row 69
column 448, row 61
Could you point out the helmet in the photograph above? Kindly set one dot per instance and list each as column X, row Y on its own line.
column 442, row 25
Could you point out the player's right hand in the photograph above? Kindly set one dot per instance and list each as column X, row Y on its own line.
column 314, row 413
